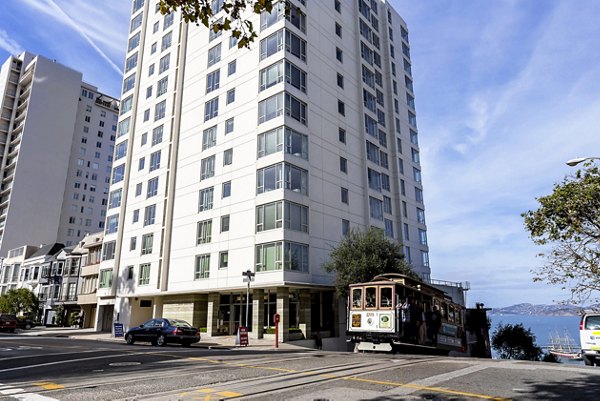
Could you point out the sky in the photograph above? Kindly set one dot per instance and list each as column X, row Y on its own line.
column 506, row 92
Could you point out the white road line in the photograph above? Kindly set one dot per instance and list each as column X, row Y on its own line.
column 57, row 354
column 11, row 391
column 33, row 397
column 61, row 362
column 433, row 380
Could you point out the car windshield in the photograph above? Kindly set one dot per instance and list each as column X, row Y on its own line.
column 179, row 323
column 8, row 317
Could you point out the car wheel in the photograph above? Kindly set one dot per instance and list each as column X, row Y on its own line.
column 587, row 361
column 27, row 326
column 129, row 339
column 161, row 341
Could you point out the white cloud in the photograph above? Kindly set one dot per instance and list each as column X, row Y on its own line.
column 9, row 44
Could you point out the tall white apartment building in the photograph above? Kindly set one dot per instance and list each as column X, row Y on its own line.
column 56, row 147
column 229, row 160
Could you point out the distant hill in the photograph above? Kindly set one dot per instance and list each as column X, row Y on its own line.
column 543, row 310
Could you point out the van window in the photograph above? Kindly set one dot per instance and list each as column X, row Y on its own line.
column 592, row 323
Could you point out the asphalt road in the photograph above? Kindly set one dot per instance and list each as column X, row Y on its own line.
column 46, row 369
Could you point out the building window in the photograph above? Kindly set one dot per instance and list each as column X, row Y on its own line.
column 342, row 135
column 422, row 237
column 282, row 176
column 277, row 255
column 224, row 223
column 155, row 161
column 144, row 277
column 118, row 174
column 343, row 165
column 425, row 258
column 228, row 157
column 337, row 5
column 268, row 19
column 114, row 199
column 206, row 199
column 283, row 138
column 166, row 41
column 211, row 109
column 202, row 268
column 149, row 215
column 271, row 44
column 207, row 167
column 160, row 110
column 387, row 204
column 112, row 224
column 341, row 108
column 231, row 67
column 270, row 108
column 108, row 250
column 147, row 240
column 375, row 208
column 213, row 80
column 344, row 195
column 340, row 80
column 209, row 137
column 223, row 260
column 338, row 29
column 214, row 55
column 226, row 189
column 229, row 126
column 421, row 216
column 138, row 189
column 152, row 189
column 105, row 279
column 164, row 63
column 132, row 243
column 339, row 55
column 295, row 76
column 157, row 135
column 204, row 232
column 389, row 228
column 230, row 96
column 295, row 108
column 269, row 216
column 136, row 216
column 345, row 227
column 161, row 86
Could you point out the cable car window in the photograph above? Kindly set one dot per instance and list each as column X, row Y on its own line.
column 385, row 296
column 370, row 297
column 357, row 298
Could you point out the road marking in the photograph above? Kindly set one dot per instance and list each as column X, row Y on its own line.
column 33, row 397
column 228, row 394
column 49, row 385
column 10, row 391
column 210, row 391
column 61, row 362
column 421, row 385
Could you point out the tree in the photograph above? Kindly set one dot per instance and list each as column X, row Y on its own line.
column 568, row 222
column 19, row 301
column 361, row 255
column 513, row 341
column 202, row 12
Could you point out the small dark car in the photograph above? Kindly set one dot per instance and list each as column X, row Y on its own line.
column 161, row 331
column 25, row 324
column 8, row 322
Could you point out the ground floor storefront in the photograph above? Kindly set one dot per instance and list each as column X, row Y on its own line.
column 302, row 312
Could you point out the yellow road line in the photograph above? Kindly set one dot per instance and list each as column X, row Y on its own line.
column 228, row 394
column 49, row 385
column 358, row 379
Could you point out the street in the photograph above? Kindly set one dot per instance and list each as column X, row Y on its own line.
column 50, row 368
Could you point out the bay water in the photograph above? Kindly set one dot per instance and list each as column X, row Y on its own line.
column 542, row 327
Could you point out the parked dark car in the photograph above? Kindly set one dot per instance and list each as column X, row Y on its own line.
column 161, row 331
column 25, row 324
column 8, row 322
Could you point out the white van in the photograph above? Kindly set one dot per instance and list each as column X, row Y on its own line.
column 589, row 335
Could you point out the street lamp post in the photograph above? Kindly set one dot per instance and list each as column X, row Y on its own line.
column 248, row 277
column 576, row 161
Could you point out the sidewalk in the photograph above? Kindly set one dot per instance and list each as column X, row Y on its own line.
column 218, row 342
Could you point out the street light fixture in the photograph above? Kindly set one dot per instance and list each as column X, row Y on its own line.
column 248, row 277
column 576, row 161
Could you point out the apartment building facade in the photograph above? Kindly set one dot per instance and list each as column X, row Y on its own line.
column 233, row 160
column 56, row 147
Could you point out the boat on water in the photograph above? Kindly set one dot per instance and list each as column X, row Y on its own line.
column 564, row 347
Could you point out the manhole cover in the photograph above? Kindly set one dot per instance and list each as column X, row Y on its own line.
column 124, row 363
